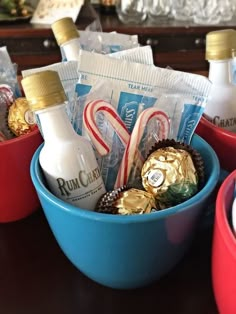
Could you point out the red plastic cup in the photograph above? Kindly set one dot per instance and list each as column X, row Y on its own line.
column 224, row 249
column 221, row 140
column 18, row 197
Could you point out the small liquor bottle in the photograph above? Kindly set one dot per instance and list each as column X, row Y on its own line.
column 67, row 159
column 67, row 37
column 220, row 108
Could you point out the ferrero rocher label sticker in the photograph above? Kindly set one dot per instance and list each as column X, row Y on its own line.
column 170, row 175
column 155, row 177
column 134, row 201
column 21, row 119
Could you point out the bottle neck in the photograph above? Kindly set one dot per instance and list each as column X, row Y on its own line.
column 71, row 49
column 220, row 71
column 55, row 124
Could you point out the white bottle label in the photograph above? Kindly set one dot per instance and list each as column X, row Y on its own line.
column 220, row 108
column 82, row 190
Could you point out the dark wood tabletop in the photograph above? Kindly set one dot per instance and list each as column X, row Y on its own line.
column 37, row 278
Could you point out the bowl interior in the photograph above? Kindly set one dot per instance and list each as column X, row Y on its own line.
column 224, row 203
column 221, row 140
column 212, row 170
column 224, row 248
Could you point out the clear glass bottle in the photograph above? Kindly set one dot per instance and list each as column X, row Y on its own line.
column 220, row 108
column 207, row 12
column 67, row 37
column 131, row 11
column 67, row 159
column 182, row 10
column 158, row 8
column 227, row 9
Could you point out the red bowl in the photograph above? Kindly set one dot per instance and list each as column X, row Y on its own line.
column 221, row 140
column 18, row 198
column 224, row 249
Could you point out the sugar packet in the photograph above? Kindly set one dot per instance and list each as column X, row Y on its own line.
column 131, row 88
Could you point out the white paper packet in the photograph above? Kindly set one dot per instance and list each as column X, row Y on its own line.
column 142, row 54
column 105, row 43
column 130, row 88
column 8, row 72
column 68, row 70
column 131, row 85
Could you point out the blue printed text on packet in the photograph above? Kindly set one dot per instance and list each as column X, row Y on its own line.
column 190, row 117
column 130, row 105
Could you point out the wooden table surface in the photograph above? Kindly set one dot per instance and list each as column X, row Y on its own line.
column 37, row 278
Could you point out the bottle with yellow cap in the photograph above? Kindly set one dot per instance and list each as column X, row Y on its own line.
column 67, row 37
column 234, row 59
column 221, row 105
column 67, row 159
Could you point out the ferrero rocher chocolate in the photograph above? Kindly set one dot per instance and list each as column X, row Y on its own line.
column 170, row 175
column 21, row 119
column 134, row 201
column 127, row 202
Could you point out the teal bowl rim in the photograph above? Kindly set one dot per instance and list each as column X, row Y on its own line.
column 89, row 214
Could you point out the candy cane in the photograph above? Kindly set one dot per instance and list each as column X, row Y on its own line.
column 135, row 138
column 111, row 114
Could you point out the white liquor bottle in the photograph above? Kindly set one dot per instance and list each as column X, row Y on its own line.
column 67, row 159
column 221, row 106
column 67, row 37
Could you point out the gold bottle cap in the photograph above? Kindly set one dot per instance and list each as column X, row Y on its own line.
column 64, row 30
column 234, row 44
column 220, row 44
column 43, row 89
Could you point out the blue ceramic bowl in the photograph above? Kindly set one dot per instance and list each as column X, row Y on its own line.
column 126, row 252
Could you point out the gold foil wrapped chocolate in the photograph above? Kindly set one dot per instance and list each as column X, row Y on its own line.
column 125, row 201
column 21, row 119
column 170, row 175
column 134, row 201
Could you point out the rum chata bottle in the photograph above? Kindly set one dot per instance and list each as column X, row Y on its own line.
column 221, row 105
column 67, row 159
column 234, row 59
column 67, row 37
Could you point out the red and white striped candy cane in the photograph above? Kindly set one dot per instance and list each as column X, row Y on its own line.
column 135, row 138
column 112, row 116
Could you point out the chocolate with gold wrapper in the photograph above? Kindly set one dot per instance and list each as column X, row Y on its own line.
column 171, row 174
column 21, row 119
column 124, row 201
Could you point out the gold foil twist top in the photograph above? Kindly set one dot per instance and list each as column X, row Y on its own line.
column 43, row 89
column 126, row 201
column 220, row 45
column 134, row 201
column 64, row 30
column 170, row 175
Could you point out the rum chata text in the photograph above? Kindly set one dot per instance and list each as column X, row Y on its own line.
column 83, row 180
